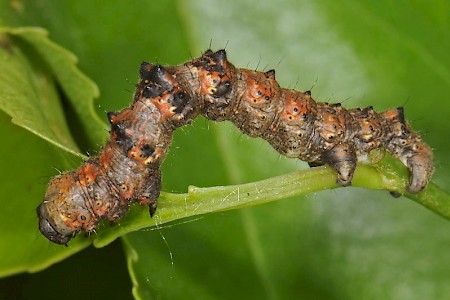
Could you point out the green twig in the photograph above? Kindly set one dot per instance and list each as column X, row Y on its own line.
column 388, row 174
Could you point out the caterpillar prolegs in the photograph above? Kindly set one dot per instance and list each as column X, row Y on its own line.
column 168, row 97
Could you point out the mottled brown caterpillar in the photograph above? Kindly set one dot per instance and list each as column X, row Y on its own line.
column 127, row 169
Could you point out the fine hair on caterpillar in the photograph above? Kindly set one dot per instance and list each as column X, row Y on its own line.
column 127, row 170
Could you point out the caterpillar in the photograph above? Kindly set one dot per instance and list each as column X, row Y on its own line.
column 127, row 170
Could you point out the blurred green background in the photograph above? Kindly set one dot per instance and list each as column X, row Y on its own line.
column 341, row 244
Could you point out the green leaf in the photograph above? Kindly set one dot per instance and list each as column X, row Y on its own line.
column 33, row 69
column 27, row 163
column 29, row 96
column 29, row 93
column 43, row 91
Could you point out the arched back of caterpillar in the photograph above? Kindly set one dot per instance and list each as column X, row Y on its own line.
column 128, row 167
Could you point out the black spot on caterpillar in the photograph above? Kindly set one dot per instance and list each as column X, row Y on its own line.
column 127, row 169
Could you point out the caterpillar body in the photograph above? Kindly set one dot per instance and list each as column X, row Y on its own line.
column 127, row 169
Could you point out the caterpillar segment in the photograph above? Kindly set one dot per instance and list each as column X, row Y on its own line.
column 166, row 98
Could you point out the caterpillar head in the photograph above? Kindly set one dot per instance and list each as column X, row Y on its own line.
column 63, row 213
